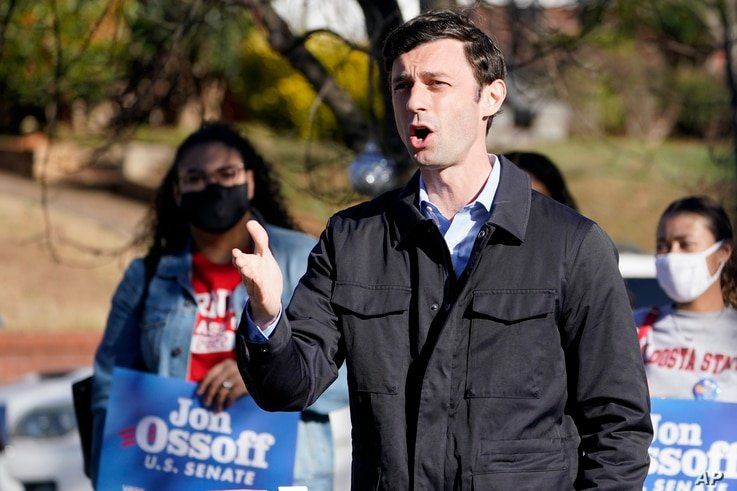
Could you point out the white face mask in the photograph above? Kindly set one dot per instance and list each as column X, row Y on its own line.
column 685, row 276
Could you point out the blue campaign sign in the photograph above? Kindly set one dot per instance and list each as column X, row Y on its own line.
column 3, row 425
column 694, row 446
column 158, row 437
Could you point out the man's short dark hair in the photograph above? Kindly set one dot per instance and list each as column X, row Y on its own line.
column 482, row 54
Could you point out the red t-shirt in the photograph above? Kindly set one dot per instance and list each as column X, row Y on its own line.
column 213, row 339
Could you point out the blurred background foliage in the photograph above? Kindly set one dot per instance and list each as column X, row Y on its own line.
column 638, row 78
column 644, row 67
column 270, row 90
column 144, row 55
column 654, row 70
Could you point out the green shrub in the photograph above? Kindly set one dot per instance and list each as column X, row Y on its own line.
column 271, row 91
column 704, row 103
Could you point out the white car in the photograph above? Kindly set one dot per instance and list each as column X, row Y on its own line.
column 638, row 271
column 42, row 450
column 7, row 482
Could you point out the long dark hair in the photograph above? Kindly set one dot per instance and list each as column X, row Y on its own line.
column 546, row 172
column 167, row 231
column 720, row 226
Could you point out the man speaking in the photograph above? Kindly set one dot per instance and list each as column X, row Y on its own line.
column 486, row 328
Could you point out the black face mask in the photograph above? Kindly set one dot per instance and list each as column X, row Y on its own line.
column 216, row 208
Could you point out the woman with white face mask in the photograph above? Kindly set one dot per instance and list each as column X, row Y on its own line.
column 690, row 346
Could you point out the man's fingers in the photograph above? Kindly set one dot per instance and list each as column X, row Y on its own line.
column 261, row 275
column 241, row 259
column 244, row 263
column 259, row 236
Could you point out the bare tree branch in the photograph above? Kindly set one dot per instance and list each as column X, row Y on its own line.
column 349, row 117
column 307, row 35
column 146, row 98
column 93, row 30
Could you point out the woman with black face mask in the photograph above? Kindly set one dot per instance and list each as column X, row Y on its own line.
column 176, row 310
column 690, row 346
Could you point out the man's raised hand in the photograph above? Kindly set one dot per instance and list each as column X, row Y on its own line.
column 261, row 276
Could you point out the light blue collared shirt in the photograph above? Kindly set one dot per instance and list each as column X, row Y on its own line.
column 460, row 231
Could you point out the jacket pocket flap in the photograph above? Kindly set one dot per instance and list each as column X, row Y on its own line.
column 525, row 446
column 513, row 306
column 521, row 455
column 371, row 300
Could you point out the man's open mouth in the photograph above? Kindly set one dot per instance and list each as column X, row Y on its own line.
column 419, row 132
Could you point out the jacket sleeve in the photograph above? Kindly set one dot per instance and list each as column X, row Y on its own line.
column 608, row 395
column 120, row 346
column 301, row 358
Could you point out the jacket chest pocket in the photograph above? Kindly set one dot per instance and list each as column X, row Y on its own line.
column 510, row 337
column 375, row 330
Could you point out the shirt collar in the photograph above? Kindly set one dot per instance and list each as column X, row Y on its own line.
column 511, row 210
column 485, row 197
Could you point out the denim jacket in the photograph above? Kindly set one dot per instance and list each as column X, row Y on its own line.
column 157, row 339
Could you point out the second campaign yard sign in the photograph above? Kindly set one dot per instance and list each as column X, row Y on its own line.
column 694, row 447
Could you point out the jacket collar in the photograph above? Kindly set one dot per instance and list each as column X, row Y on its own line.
column 406, row 212
column 510, row 210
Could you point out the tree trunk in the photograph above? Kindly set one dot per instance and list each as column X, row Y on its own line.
column 381, row 17
column 350, row 119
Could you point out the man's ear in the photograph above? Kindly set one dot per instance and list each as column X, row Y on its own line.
column 492, row 97
column 250, row 184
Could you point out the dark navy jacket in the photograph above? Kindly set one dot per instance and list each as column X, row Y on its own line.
column 523, row 373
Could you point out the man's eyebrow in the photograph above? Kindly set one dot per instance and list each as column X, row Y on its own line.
column 403, row 77
column 434, row 75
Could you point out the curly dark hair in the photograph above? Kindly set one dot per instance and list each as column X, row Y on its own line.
column 167, row 231
column 720, row 226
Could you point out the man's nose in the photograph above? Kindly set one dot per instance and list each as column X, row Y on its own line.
column 417, row 100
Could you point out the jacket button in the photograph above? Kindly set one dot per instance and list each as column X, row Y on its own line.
column 447, row 307
column 176, row 352
column 482, row 234
column 434, row 307
column 263, row 349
